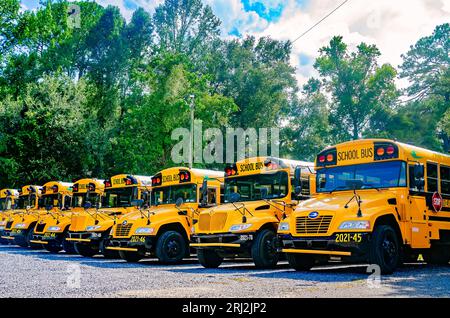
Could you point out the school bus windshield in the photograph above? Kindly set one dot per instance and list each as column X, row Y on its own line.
column 258, row 186
column 119, row 197
column 49, row 200
column 25, row 201
column 79, row 199
column 170, row 194
column 377, row 175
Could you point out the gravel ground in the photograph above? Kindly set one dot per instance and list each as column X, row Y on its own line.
column 27, row 273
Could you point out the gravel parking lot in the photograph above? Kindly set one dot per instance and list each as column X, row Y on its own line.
column 27, row 273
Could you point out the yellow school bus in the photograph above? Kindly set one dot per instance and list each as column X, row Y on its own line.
column 178, row 195
column 378, row 201
column 7, row 201
column 26, row 215
column 89, row 231
column 259, row 193
column 51, row 230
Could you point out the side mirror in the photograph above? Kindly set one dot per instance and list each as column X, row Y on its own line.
column 204, row 191
column 264, row 193
column 297, row 183
column 87, row 205
column 137, row 203
column 179, row 202
column 97, row 205
column 234, row 197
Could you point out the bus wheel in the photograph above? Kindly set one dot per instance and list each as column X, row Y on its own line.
column 85, row 250
column 264, row 252
column 29, row 237
column 300, row 262
column 53, row 248
column 384, row 249
column 22, row 240
column 437, row 255
column 171, row 247
column 108, row 254
column 209, row 258
column 131, row 257
column 69, row 247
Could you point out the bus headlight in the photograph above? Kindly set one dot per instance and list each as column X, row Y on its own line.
column 54, row 229
column 93, row 227
column 144, row 230
column 240, row 227
column 20, row 225
column 354, row 225
column 283, row 226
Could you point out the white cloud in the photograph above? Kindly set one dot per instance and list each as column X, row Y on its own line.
column 391, row 25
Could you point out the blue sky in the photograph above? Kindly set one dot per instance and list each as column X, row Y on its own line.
column 392, row 25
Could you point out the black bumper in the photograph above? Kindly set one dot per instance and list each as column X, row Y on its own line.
column 244, row 240
column 358, row 250
column 50, row 237
column 93, row 239
column 143, row 243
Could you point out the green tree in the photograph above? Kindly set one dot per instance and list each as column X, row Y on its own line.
column 426, row 65
column 360, row 88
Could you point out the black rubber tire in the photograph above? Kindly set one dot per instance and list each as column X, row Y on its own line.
column 53, row 248
column 264, row 252
column 209, row 258
column 131, row 257
column 384, row 249
column 69, row 247
column 437, row 255
column 171, row 247
column 86, row 250
column 29, row 237
column 108, row 254
column 22, row 240
column 300, row 262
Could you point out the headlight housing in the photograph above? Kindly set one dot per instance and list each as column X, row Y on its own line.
column 54, row 228
column 144, row 230
column 283, row 226
column 354, row 225
column 20, row 225
column 240, row 227
column 93, row 227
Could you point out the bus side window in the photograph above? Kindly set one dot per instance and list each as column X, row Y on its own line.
column 416, row 177
column 445, row 180
column 211, row 197
column 305, row 186
column 432, row 177
column 67, row 200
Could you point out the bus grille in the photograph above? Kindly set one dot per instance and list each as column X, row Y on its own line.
column 40, row 228
column 123, row 230
column 213, row 222
column 8, row 225
column 319, row 225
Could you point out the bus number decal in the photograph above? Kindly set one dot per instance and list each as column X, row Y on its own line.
column 348, row 237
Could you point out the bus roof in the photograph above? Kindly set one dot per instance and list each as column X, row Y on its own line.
column 405, row 151
column 30, row 188
column 6, row 192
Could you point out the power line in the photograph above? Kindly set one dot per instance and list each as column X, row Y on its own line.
column 320, row 20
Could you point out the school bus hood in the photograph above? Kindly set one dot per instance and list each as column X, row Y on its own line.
column 155, row 212
column 219, row 219
column 80, row 221
column 372, row 201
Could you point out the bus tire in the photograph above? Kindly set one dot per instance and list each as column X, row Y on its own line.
column 384, row 249
column 171, row 247
column 300, row 262
column 29, row 237
column 437, row 255
column 69, row 247
column 108, row 254
column 22, row 240
column 263, row 249
column 131, row 257
column 86, row 250
column 53, row 248
column 209, row 258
